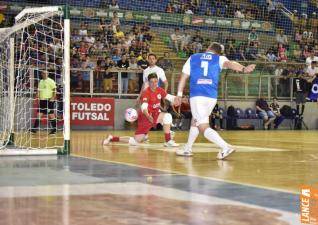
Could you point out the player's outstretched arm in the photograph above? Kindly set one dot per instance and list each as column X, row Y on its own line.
column 239, row 67
column 182, row 83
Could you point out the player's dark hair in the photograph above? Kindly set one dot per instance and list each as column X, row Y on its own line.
column 151, row 54
column 152, row 75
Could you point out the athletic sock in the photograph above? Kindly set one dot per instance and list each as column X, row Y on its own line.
column 167, row 137
column 193, row 134
column 115, row 139
column 36, row 123
column 53, row 124
column 214, row 137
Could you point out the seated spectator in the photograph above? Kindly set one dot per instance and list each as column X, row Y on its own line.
column 216, row 115
column 119, row 34
column 252, row 36
column 208, row 12
column 75, row 37
column 186, row 39
column 264, row 112
column 164, row 62
column 311, row 58
column 83, row 50
column 306, row 52
column 169, row 8
column 311, row 72
column 176, row 115
column 83, row 30
column 176, row 39
column 297, row 54
column 298, row 37
column 239, row 14
column 188, row 10
column 282, row 53
column 197, row 41
column 230, row 39
column 220, row 39
column 252, row 51
column 271, row 57
column 89, row 39
column 276, row 110
column 114, row 5
column 240, row 53
column 116, row 57
column 281, row 38
column 182, row 112
column 109, row 35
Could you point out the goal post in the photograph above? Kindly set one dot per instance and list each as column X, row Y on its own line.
column 38, row 44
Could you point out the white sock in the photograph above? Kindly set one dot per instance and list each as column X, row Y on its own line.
column 214, row 137
column 193, row 134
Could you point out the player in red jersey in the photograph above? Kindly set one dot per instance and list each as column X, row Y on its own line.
column 149, row 115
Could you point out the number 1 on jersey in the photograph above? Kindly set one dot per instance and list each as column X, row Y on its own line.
column 205, row 65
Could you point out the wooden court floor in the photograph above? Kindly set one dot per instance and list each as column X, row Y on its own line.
column 282, row 160
column 149, row 185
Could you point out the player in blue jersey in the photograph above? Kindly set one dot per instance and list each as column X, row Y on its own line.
column 204, row 69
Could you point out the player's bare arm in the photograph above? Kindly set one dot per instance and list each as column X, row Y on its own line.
column 239, row 67
column 166, row 85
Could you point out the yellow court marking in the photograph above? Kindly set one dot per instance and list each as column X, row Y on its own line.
column 201, row 147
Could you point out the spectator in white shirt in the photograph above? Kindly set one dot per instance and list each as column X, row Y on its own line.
column 239, row 14
column 153, row 68
column 83, row 30
column 311, row 58
column 186, row 39
column 176, row 39
column 90, row 40
column 281, row 38
column 114, row 5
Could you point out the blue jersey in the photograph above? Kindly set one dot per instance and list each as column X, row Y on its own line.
column 204, row 70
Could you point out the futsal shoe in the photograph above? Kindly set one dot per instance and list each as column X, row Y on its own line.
column 146, row 139
column 171, row 143
column 52, row 132
column 107, row 140
column 185, row 151
column 32, row 130
column 172, row 134
column 225, row 153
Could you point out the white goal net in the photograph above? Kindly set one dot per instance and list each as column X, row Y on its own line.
column 32, row 110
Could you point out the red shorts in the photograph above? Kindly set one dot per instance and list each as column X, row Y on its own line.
column 144, row 124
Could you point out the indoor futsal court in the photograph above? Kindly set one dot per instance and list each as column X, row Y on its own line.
column 120, row 184
column 80, row 78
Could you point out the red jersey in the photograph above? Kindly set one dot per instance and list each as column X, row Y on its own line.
column 282, row 54
column 153, row 98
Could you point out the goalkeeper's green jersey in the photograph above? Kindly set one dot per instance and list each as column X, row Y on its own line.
column 46, row 88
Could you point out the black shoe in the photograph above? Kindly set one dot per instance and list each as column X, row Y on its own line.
column 32, row 130
column 52, row 132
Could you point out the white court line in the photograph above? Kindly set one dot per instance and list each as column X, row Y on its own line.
column 187, row 174
column 202, row 147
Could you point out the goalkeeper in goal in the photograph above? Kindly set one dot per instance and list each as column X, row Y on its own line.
column 46, row 94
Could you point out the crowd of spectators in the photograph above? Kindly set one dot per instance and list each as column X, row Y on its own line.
column 108, row 46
